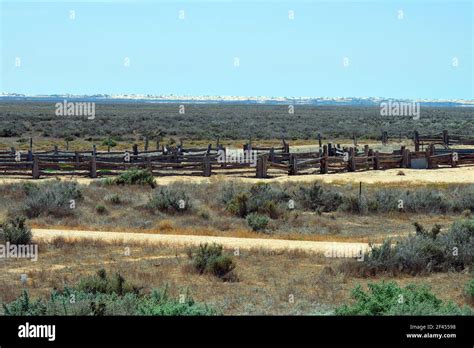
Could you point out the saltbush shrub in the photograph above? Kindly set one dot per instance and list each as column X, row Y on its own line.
column 71, row 301
column 104, row 284
column 100, row 209
column 319, row 199
column 387, row 298
column 423, row 252
column 15, row 231
column 257, row 222
column 50, row 198
column 260, row 198
column 169, row 200
column 135, row 176
column 115, row 199
column 210, row 259
column 469, row 291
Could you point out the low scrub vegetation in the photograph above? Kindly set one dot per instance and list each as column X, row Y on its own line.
column 100, row 295
column 469, row 291
column 123, row 120
column 51, row 198
column 169, row 200
column 104, row 284
column 15, row 231
column 135, row 176
column 422, row 252
column 257, row 222
column 210, row 259
column 387, row 298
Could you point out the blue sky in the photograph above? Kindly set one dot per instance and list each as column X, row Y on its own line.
column 387, row 56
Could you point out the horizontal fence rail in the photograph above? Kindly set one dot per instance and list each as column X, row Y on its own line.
column 261, row 161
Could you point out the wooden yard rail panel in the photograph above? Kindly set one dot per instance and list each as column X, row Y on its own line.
column 204, row 161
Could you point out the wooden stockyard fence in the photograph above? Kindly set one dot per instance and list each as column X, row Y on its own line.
column 209, row 161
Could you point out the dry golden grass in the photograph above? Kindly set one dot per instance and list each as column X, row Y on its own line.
column 268, row 280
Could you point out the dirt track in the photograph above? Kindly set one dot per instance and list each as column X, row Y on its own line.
column 330, row 249
column 461, row 175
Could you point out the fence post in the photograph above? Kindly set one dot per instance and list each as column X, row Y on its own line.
column 30, row 156
column 402, row 153
column 146, row 143
column 324, row 160
column 352, row 164
column 262, row 166
column 272, row 155
column 293, row 165
column 36, row 173
column 93, row 173
column 376, row 161
column 31, row 144
column 319, row 140
column 453, row 162
column 416, row 140
column 148, row 164
column 428, row 158
column 445, row 138
column 366, row 150
column 206, row 166
column 406, row 158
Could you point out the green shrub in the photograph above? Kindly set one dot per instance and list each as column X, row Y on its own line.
column 101, row 283
column 259, row 198
column 100, row 209
column 469, row 291
column 109, row 142
column 387, row 298
column 423, row 252
column 210, row 259
column 354, row 204
column 24, row 306
column 114, row 199
column 15, row 231
column 317, row 198
column 71, row 301
column 257, row 222
column 50, row 198
column 261, row 195
column 169, row 200
column 238, row 205
column 135, row 176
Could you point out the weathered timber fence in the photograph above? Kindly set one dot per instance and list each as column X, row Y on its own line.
column 445, row 139
column 268, row 161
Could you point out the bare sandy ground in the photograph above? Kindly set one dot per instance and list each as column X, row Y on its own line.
column 330, row 249
column 391, row 176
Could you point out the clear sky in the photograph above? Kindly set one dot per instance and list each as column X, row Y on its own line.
column 393, row 49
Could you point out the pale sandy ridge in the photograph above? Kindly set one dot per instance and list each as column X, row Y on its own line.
column 330, row 249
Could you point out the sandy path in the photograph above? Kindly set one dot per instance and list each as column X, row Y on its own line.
column 412, row 176
column 330, row 249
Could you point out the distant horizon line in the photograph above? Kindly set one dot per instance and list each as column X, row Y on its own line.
column 136, row 96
